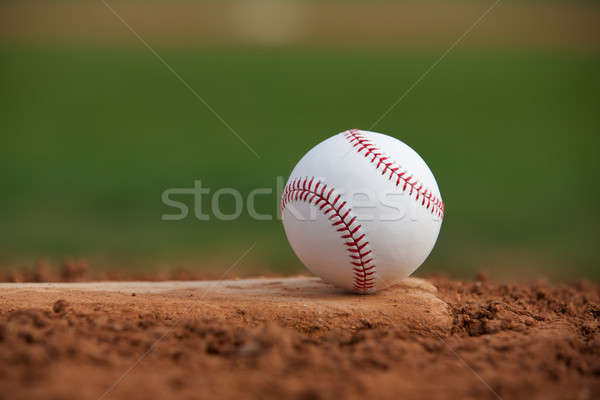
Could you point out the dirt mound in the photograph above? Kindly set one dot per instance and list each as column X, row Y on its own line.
column 79, row 270
column 501, row 341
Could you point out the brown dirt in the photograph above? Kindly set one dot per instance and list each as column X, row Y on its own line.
column 299, row 338
column 79, row 270
column 570, row 25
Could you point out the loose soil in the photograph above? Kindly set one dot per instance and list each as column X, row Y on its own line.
column 299, row 338
column 551, row 25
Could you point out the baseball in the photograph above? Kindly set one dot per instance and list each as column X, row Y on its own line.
column 362, row 210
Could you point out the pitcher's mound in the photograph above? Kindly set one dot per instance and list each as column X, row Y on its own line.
column 304, row 303
column 299, row 338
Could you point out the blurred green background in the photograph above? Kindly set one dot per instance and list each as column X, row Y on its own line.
column 95, row 127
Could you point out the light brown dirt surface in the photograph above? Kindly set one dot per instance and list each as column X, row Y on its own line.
column 298, row 338
column 524, row 24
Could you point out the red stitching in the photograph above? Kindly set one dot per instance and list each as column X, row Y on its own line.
column 354, row 240
column 360, row 143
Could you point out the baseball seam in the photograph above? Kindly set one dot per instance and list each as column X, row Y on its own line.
column 339, row 213
column 378, row 158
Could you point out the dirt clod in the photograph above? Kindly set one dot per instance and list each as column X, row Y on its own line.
column 60, row 306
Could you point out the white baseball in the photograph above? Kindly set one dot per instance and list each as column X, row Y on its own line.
column 362, row 210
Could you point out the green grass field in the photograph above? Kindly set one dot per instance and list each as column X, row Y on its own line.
column 92, row 136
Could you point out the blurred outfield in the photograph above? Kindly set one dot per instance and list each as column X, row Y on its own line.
column 93, row 133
